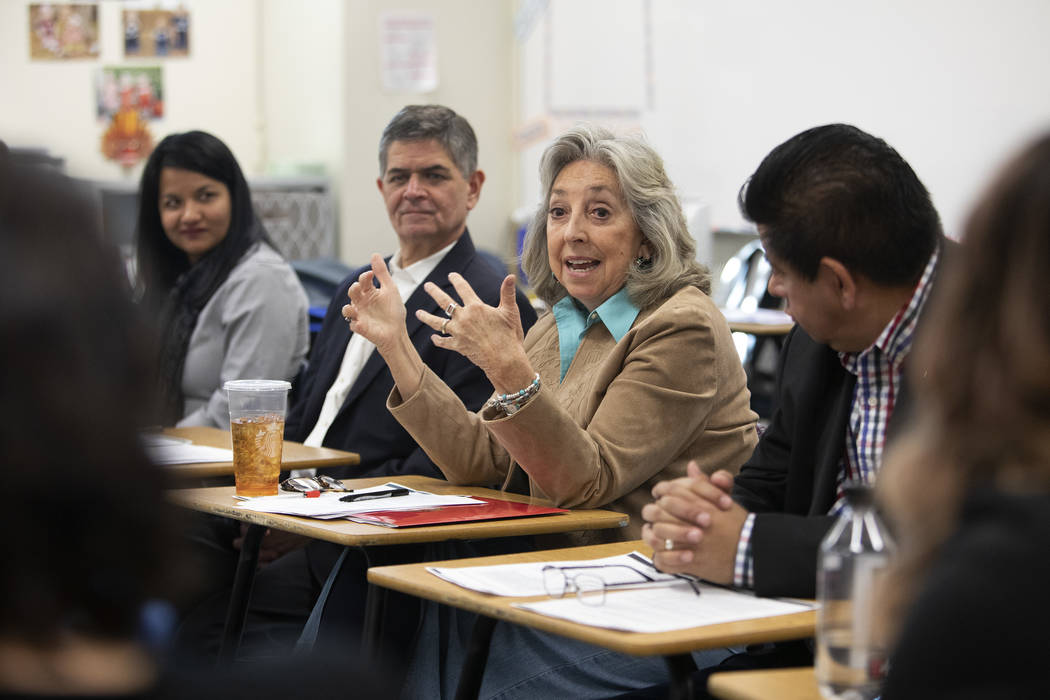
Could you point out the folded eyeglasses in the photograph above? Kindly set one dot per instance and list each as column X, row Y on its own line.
column 590, row 583
column 306, row 484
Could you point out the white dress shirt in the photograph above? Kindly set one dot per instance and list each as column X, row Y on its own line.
column 359, row 348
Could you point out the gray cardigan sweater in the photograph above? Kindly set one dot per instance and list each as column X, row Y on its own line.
column 255, row 326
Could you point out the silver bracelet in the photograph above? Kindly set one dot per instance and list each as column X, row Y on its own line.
column 512, row 403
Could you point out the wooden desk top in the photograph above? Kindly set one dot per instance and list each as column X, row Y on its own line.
column 780, row 683
column 219, row 500
column 761, row 328
column 759, row 321
column 415, row 580
column 295, row 455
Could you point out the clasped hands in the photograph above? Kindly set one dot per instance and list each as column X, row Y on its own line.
column 696, row 516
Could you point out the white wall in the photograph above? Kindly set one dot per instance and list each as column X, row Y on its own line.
column 303, row 80
column 474, row 48
column 953, row 85
column 52, row 103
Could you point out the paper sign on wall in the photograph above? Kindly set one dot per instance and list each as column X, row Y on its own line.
column 408, row 52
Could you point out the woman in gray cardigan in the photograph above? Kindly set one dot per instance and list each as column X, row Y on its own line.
column 228, row 305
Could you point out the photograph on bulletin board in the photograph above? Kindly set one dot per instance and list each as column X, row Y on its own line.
column 156, row 33
column 138, row 88
column 63, row 31
column 127, row 98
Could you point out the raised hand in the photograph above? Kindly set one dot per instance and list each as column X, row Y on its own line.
column 377, row 313
column 490, row 337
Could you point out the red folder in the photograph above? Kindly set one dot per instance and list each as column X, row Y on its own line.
column 491, row 509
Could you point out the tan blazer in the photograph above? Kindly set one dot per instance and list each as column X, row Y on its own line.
column 626, row 415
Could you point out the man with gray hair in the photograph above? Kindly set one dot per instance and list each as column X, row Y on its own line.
column 429, row 181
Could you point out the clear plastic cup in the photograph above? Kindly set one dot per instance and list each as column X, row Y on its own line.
column 257, row 409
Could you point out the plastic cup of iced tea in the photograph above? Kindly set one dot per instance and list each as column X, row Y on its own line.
column 257, row 408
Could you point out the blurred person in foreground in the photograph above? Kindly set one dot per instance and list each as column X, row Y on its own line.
column 631, row 375
column 90, row 546
column 227, row 305
column 968, row 492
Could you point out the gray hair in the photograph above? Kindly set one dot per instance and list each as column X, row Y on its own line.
column 654, row 205
column 433, row 122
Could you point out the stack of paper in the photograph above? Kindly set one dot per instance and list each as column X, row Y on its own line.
column 644, row 607
column 667, row 609
column 165, row 449
column 514, row 580
column 327, row 506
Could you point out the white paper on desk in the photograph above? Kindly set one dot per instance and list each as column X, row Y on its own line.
column 328, row 506
column 763, row 317
column 526, row 579
column 666, row 609
column 186, row 453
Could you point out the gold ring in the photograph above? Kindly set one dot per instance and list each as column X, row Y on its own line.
column 443, row 331
column 450, row 309
column 668, row 544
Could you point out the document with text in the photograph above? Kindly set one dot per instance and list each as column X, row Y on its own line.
column 329, row 505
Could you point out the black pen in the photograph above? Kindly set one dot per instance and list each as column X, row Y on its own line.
column 391, row 493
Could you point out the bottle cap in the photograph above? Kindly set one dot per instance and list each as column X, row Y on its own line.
column 858, row 493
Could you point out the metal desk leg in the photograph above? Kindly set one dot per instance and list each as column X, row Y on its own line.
column 241, row 593
column 477, row 655
column 681, row 667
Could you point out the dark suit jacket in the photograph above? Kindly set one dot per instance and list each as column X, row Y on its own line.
column 791, row 479
column 363, row 424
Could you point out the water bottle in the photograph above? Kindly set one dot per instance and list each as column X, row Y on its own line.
column 851, row 658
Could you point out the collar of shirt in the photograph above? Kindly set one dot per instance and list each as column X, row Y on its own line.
column 408, row 278
column 894, row 342
column 617, row 313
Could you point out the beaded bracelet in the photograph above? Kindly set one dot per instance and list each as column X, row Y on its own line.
column 512, row 403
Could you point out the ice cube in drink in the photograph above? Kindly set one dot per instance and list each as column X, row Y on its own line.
column 257, row 444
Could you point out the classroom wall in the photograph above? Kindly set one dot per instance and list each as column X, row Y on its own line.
column 52, row 103
column 954, row 85
column 291, row 87
column 475, row 78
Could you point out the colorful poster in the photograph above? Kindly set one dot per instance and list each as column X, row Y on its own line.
column 156, row 33
column 128, row 97
column 63, row 31
column 140, row 88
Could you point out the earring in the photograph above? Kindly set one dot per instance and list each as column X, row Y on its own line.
column 643, row 263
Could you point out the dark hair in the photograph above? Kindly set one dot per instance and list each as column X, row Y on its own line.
column 87, row 531
column 839, row 192
column 174, row 290
column 159, row 262
column 433, row 122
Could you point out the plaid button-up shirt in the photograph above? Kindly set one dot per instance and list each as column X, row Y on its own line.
column 878, row 370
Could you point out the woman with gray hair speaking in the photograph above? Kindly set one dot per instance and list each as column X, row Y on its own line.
column 632, row 375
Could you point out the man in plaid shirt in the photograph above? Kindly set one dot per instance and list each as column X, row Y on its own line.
column 854, row 242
